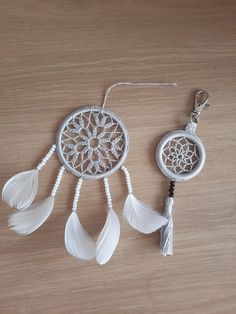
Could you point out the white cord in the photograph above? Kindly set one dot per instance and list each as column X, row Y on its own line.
column 77, row 194
column 46, row 158
column 143, row 84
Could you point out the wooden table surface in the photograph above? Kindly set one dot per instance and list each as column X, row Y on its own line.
column 56, row 56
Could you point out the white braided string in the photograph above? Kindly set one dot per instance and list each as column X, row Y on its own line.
column 46, row 158
column 58, row 181
column 166, row 232
column 108, row 193
column 128, row 180
column 77, row 195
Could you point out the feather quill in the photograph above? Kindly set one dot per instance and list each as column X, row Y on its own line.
column 77, row 241
column 141, row 216
column 28, row 220
column 20, row 190
column 108, row 238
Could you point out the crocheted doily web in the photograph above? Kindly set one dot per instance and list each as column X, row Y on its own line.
column 180, row 155
column 93, row 142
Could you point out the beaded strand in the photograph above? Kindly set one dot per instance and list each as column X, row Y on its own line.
column 46, row 158
column 108, row 193
column 77, row 194
column 58, row 181
column 172, row 189
column 128, row 180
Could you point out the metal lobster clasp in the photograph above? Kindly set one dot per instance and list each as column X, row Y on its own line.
column 201, row 101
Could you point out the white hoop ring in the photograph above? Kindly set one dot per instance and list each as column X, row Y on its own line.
column 65, row 162
column 164, row 169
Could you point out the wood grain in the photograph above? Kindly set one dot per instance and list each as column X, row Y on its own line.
column 56, row 56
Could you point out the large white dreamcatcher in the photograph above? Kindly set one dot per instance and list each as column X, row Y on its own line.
column 91, row 143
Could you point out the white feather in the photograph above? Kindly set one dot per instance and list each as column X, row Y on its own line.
column 108, row 239
column 19, row 191
column 28, row 220
column 77, row 241
column 141, row 216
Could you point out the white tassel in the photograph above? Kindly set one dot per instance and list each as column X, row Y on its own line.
column 20, row 190
column 139, row 215
column 110, row 234
column 28, row 220
column 166, row 232
column 77, row 241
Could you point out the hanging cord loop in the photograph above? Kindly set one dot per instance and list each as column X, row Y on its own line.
column 142, row 84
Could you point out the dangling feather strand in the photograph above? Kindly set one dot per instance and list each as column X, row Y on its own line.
column 139, row 215
column 110, row 234
column 77, row 241
column 28, row 220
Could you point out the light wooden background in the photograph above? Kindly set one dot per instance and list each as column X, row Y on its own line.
column 56, row 56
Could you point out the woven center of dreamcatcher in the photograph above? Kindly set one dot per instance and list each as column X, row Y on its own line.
column 93, row 142
column 180, row 155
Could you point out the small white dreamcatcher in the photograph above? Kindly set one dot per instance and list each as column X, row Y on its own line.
column 92, row 143
column 180, row 156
